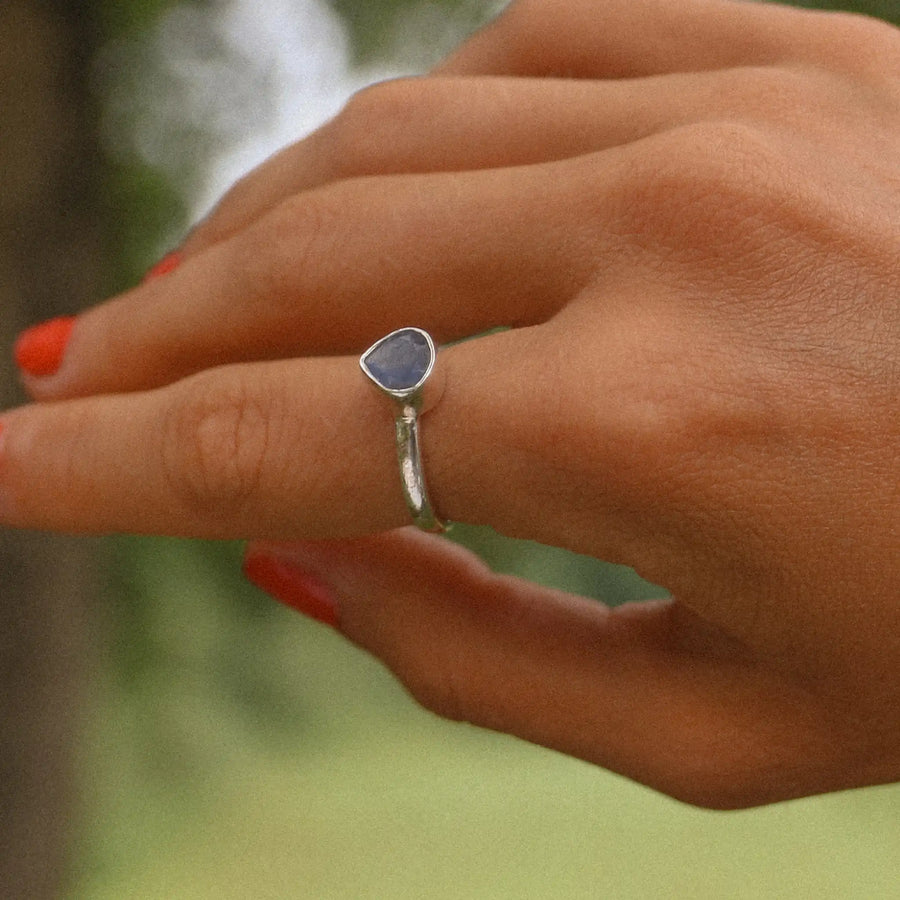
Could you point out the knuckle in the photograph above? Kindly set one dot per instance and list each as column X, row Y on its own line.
column 215, row 446
column 783, row 94
column 451, row 681
column 227, row 214
column 715, row 786
column 700, row 185
column 517, row 25
column 441, row 696
column 273, row 261
column 861, row 44
column 710, row 159
column 645, row 429
column 522, row 17
column 435, row 683
column 375, row 123
column 666, row 426
column 722, row 768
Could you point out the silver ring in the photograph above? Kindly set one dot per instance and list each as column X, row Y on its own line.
column 399, row 365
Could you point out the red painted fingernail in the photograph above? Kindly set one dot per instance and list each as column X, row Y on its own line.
column 39, row 350
column 169, row 263
column 291, row 586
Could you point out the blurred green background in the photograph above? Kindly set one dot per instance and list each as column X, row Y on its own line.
column 230, row 749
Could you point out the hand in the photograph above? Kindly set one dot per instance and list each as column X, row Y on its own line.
column 687, row 213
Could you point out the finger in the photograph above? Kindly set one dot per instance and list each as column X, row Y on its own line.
column 644, row 690
column 306, row 448
column 625, row 39
column 333, row 270
column 447, row 123
column 421, row 125
column 292, row 448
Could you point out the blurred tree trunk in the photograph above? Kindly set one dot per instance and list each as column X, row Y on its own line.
column 50, row 262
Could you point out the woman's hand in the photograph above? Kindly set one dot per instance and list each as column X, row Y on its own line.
column 688, row 213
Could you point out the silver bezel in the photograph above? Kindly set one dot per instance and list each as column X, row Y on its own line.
column 410, row 394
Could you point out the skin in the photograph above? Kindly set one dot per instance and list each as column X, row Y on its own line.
column 687, row 213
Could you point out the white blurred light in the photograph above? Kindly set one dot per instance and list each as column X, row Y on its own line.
column 304, row 47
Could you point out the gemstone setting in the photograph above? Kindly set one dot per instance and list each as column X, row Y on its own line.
column 400, row 362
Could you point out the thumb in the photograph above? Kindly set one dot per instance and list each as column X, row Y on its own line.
column 646, row 690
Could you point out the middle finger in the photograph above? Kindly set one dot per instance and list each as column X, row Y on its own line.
column 330, row 271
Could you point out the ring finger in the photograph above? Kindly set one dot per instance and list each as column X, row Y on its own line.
column 281, row 450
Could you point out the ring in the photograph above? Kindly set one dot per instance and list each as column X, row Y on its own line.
column 399, row 365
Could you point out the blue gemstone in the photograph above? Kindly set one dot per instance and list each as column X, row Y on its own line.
column 399, row 361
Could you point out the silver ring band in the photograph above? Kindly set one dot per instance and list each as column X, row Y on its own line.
column 399, row 365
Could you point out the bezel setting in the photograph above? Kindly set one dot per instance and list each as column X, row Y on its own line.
column 403, row 376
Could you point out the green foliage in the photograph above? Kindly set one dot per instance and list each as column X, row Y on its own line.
column 557, row 568
column 889, row 10
column 143, row 202
column 372, row 26
column 118, row 18
column 133, row 240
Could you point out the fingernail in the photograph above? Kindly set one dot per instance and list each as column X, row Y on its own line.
column 40, row 350
column 292, row 586
column 169, row 263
